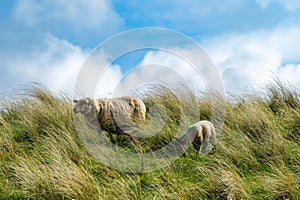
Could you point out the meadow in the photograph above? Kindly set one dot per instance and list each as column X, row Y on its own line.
column 258, row 151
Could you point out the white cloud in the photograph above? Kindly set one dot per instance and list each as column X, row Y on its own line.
column 97, row 76
column 108, row 82
column 244, row 60
column 45, row 55
column 290, row 73
column 252, row 59
column 55, row 63
column 184, row 70
column 92, row 15
column 162, row 68
column 249, row 59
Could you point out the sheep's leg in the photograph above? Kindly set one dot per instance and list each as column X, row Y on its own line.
column 133, row 140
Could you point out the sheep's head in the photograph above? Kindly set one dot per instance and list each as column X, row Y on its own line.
column 84, row 105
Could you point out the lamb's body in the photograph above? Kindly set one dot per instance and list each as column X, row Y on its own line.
column 115, row 115
column 200, row 133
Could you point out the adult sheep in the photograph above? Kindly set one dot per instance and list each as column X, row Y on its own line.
column 200, row 133
column 115, row 116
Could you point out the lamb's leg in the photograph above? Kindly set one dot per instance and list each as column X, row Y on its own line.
column 204, row 146
column 213, row 139
column 197, row 143
column 205, row 142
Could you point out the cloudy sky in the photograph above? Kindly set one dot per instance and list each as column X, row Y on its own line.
column 250, row 41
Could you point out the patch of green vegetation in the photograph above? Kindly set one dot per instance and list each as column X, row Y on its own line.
column 258, row 152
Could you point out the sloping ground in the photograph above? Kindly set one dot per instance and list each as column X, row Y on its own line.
column 258, row 156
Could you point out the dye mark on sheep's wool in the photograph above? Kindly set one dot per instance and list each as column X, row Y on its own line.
column 146, row 74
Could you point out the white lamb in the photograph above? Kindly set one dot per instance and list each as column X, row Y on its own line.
column 203, row 132
column 115, row 115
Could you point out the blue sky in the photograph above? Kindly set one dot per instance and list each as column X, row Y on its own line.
column 248, row 40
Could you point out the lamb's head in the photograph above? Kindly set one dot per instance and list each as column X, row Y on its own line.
column 83, row 106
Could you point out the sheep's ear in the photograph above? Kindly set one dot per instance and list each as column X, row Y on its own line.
column 75, row 101
column 86, row 101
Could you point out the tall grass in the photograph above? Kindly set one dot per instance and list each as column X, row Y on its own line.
column 258, row 153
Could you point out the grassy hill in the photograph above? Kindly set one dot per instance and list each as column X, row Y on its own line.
column 258, row 153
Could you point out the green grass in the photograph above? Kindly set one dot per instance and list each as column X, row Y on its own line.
column 258, row 153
